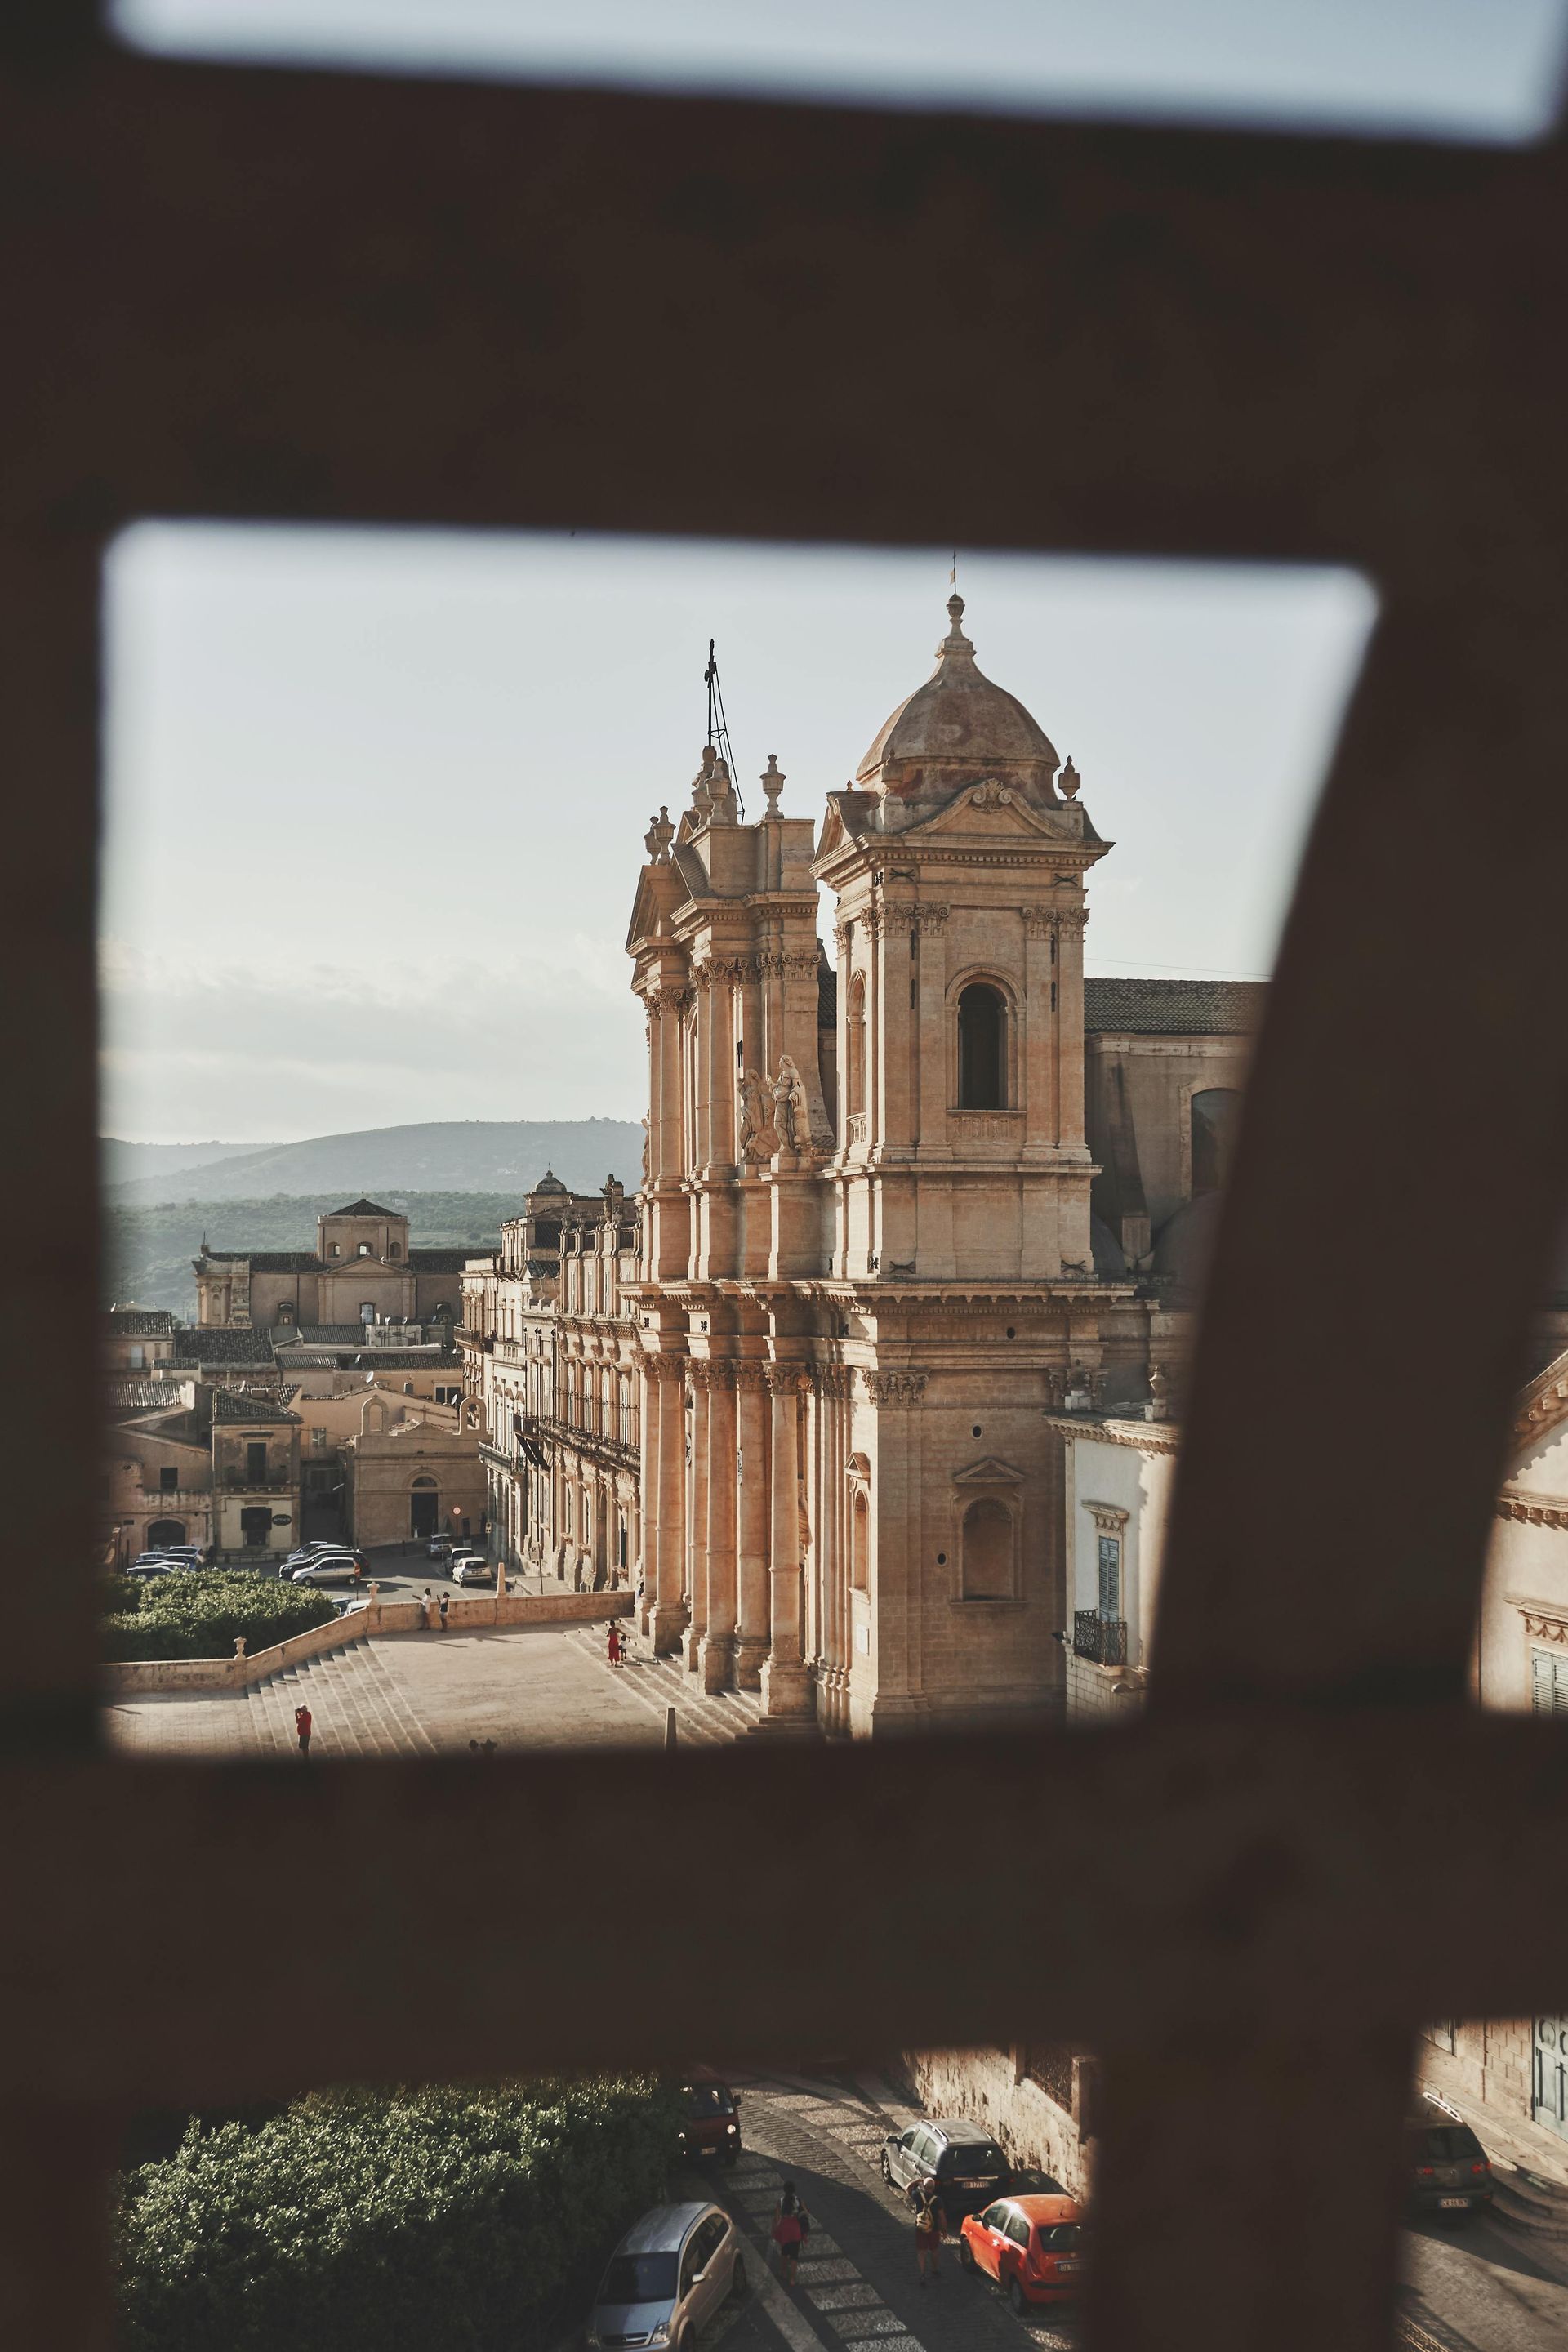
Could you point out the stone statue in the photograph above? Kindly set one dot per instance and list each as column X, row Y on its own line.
column 759, row 1138
column 645, row 1148
column 792, row 1108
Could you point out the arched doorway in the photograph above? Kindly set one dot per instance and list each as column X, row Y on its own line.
column 165, row 1531
column 423, row 1509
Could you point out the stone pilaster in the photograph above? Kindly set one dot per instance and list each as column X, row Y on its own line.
column 753, row 1617
column 716, row 1651
column 785, row 1682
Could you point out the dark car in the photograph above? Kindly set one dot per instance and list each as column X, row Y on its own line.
column 1446, row 2165
column 969, row 2168
column 711, row 2126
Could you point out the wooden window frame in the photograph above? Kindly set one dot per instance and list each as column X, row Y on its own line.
column 342, row 299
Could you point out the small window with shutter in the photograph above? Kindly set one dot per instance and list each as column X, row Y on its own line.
column 1548, row 1682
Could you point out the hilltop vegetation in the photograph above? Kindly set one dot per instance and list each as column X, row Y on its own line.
column 147, row 1252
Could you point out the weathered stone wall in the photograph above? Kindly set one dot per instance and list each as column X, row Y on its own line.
column 989, row 2087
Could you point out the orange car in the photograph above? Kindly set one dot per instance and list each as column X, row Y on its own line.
column 1032, row 2247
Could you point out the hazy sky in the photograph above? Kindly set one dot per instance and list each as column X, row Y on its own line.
column 1484, row 68
column 376, row 800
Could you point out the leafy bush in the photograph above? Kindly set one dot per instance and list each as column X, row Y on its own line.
column 198, row 1614
column 390, row 2221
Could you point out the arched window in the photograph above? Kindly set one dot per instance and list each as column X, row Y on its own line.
column 1214, row 1113
column 857, row 1044
column 988, row 1551
column 981, row 1048
column 859, row 1543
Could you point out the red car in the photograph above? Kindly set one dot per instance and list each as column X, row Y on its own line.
column 1032, row 2247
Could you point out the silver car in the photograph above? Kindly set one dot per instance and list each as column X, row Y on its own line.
column 669, row 2276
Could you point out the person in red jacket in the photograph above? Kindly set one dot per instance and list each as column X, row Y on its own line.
column 613, row 1643
column 302, row 1726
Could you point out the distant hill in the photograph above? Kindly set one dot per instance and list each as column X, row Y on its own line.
column 443, row 1156
column 147, row 1252
column 122, row 1163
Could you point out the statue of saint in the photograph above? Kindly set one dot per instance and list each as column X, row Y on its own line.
column 792, row 1108
column 759, row 1139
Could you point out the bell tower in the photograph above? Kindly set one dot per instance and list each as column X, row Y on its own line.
column 958, row 859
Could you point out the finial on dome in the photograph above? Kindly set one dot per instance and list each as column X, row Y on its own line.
column 1069, row 780
column 955, row 642
column 774, row 782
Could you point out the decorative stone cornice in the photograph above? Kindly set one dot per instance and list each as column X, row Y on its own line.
column 1531, row 1510
column 1544, row 1628
column 890, row 1389
column 1108, row 1518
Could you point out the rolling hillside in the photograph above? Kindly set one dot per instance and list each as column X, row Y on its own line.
column 498, row 1155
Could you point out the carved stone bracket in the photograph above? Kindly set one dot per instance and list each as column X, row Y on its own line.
column 894, row 1388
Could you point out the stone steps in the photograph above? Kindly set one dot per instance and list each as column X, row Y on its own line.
column 355, row 1706
column 709, row 1718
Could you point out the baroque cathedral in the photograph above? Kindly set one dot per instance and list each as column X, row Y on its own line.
column 878, row 1251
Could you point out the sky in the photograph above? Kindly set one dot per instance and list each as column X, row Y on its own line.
column 1475, row 68
column 376, row 801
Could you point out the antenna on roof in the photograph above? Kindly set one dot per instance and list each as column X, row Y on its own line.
column 719, row 725
column 952, row 575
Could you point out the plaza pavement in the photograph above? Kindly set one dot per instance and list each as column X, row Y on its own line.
column 430, row 1694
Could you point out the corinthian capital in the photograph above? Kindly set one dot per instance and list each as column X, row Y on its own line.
column 894, row 1388
column 786, row 1380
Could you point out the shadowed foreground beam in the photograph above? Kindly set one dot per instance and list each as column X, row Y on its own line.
column 1196, row 1879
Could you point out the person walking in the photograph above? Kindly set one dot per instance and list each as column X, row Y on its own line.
column 931, row 2222
column 612, row 1644
column 443, row 1605
column 302, row 1727
column 792, row 2226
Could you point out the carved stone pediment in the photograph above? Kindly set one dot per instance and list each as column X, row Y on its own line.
column 990, row 1472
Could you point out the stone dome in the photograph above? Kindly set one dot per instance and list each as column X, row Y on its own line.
column 957, row 730
column 549, row 1182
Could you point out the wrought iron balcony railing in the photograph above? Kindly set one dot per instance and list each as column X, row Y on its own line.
column 1103, row 1639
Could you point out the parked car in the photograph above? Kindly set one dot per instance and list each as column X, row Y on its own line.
column 153, row 1563
column 189, row 1555
column 667, row 2278
column 328, row 1568
column 1032, row 2247
column 439, row 1548
column 472, row 1568
column 1448, row 2169
column 969, row 2168
column 712, row 2125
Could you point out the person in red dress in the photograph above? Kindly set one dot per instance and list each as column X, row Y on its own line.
column 302, row 1726
column 613, row 1643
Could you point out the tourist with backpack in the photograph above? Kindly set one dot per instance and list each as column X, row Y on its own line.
column 931, row 2222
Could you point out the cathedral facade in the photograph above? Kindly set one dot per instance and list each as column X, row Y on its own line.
column 870, row 1263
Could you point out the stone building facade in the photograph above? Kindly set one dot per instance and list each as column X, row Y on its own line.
column 551, row 1353
column 361, row 1272
column 199, row 1464
column 870, row 1264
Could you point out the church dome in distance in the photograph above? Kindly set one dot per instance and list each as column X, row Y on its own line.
column 959, row 728
column 549, row 1182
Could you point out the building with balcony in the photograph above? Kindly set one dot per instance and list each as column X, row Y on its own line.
column 190, row 1463
column 551, row 1352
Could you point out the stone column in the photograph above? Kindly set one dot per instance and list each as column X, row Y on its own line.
column 651, row 1391
column 716, row 1651
column 668, row 1614
column 753, row 1621
column 1070, row 924
column 785, row 1684
column 701, row 1373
